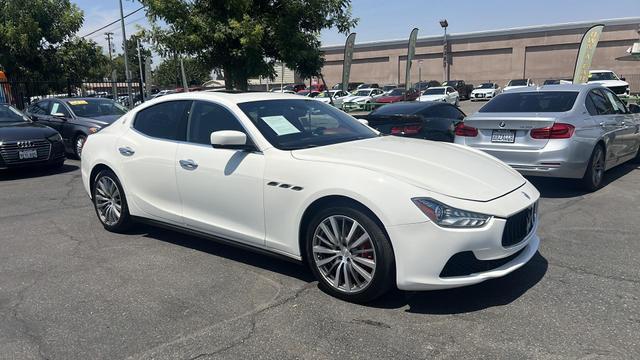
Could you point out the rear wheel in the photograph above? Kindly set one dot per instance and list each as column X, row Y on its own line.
column 110, row 202
column 594, row 176
column 349, row 254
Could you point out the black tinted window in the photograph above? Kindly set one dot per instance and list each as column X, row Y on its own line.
column 208, row 117
column 443, row 111
column 165, row 120
column 539, row 101
column 602, row 105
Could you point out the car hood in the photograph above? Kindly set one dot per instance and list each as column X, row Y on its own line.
column 507, row 88
column 448, row 169
column 432, row 97
column 483, row 91
column 355, row 98
column 384, row 99
column 101, row 121
column 24, row 131
column 610, row 83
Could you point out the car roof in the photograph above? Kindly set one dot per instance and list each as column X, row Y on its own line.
column 228, row 97
column 367, row 89
column 601, row 71
column 559, row 87
column 439, row 87
column 408, row 107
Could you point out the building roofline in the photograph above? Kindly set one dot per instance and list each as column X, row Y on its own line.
column 491, row 33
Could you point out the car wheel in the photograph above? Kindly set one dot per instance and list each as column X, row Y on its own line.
column 593, row 177
column 349, row 254
column 110, row 202
column 78, row 144
column 458, row 102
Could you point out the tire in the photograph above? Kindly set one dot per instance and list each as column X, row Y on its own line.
column 594, row 175
column 372, row 247
column 108, row 192
column 78, row 144
column 457, row 102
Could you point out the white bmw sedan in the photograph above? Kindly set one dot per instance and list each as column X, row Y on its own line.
column 294, row 177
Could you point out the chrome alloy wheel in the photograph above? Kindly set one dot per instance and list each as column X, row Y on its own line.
column 108, row 201
column 344, row 253
column 598, row 166
column 80, row 140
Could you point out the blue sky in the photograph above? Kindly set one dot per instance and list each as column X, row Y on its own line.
column 383, row 20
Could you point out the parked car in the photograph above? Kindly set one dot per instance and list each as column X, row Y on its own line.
column 368, row 86
column 362, row 96
column 308, row 93
column 352, row 86
column 337, row 96
column 567, row 131
column 442, row 93
column 485, row 91
column 317, row 87
column 399, row 94
column 162, row 93
column 428, row 120
column 76, row 118
column 517, row 84
column 557, row 82
column 27, row 143
column 299, row 179
column 295, row 87
column 609, row 79
column 423, row 85
column 387, row 88
column 463, row 89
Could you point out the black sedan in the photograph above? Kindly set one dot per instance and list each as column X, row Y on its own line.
column 25, row 143
column 425, row 120
column 76, row 118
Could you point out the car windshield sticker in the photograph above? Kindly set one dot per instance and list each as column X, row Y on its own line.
column 78, row 102
column 280, row 125
column 54, row 108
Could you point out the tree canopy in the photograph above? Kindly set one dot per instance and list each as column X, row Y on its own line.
column 168, row 74
column 246, row 38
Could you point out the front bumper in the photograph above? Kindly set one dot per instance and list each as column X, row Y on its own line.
column 54, row 155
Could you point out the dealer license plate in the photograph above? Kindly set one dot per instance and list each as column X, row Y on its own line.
column 28, row 154
column 503, row 136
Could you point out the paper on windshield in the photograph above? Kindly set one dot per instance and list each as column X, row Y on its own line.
column 78, row 102
column 54, row 108
column 280, row 125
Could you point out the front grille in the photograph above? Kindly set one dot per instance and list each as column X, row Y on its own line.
column 10, row 151
column 465, row 263
column 519, row 226
column 618, row 90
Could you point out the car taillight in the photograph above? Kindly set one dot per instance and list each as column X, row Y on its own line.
column 557, row 131
column 464, row 130
column 406, row 130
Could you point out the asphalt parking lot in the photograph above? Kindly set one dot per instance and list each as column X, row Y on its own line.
column 71, row 290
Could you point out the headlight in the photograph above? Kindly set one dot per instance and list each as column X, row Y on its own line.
column 447, row 216
column 55, row 137
column 93, row 130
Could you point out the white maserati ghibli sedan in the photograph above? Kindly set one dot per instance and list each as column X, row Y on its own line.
column 297, row 178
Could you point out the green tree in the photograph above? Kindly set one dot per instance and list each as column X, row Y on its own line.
column 246, row 37
column 31, row 32
column 168, row 72
column 132, row 54
column 80, row 59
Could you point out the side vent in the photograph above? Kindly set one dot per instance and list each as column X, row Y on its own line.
column 285, row 186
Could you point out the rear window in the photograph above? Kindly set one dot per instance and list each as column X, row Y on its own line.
column 543, row 101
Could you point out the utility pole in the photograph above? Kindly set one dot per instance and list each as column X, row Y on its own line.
column 184, row 76
column 114, row 79
column 143, row 95
column 126, row 59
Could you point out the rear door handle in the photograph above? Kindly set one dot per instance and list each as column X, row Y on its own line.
column 188, row 164
column 126, row 151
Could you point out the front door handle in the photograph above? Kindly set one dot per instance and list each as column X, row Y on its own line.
column 126, row 151
column 188, row 164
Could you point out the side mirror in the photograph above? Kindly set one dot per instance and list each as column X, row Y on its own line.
column 230, row 139
column 59, row 115
column 634, row 108
column 623, row 79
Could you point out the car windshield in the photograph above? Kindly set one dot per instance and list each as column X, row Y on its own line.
column 297, row 124
column 453, row 83
column 363, row 93
column 8, row 114
column 486, row 86
column 396, row 92
column 96, row 107
column 388, row 87
column 434, row 91
column 531, row 102
column 519, row 82
column 601, row 76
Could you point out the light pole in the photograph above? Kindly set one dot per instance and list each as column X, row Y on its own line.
column 420, row 72
column 445, row 54
column 126, row 59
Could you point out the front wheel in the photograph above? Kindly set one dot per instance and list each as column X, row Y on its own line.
column 349, row 254
column 110, row 202
column 593, row 177
column 78, row 144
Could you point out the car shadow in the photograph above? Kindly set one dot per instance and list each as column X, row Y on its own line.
column 273, row 264
column 491, row 293
column 496, row 292
column 34, row 172
column 568, row 188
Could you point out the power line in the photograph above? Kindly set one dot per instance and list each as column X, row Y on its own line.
column 115, row 29
column 114, row 22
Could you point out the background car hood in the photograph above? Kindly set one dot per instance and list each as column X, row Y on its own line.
column 507, row 88
column 24, row 131
column 432, row 97
column 448, row 169
column 355, row 98
column 383, row 99
column 483, row 91
column 610, row 83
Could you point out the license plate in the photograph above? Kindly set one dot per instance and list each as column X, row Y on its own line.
column 28, row 154
column 503, row 136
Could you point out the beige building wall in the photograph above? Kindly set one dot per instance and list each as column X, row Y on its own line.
column 541, row 52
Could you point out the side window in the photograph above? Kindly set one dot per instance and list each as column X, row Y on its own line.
column 602, row 105
column 208, row 117
column 618, row 106
column 166, row 120
column 591, row 107
column 57, row 107
column 35, row 109
column 43, row 107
